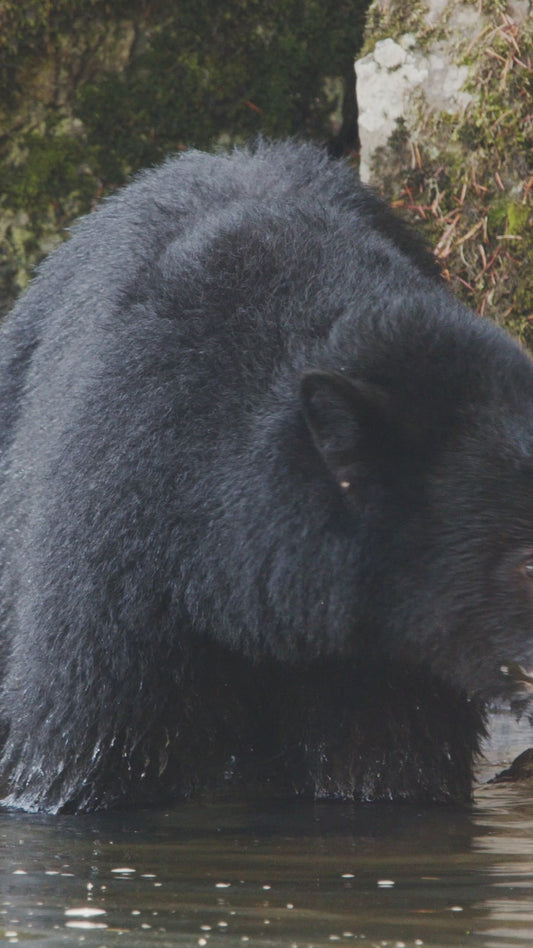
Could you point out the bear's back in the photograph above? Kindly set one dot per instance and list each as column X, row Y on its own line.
column 247, row 259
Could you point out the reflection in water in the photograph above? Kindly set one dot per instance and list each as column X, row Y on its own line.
column 288, row 876
column 504, row 816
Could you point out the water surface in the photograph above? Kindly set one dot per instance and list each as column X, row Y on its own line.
column 293, row 876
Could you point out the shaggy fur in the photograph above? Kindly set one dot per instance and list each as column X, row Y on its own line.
column 266, row 506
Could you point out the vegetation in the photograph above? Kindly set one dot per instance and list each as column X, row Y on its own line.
column 229, row 70
column 92, row 90
column 469, row 179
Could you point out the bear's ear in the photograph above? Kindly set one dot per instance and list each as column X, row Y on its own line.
column 349, row 420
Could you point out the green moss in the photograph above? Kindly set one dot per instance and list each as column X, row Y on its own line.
column 497, row 216
column 91, row 90
column 260, row 67
column 55, row 170
column 394, row 19
column 34, row 24
column 518, row 219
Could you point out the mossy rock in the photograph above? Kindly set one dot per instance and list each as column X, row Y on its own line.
column 467, row 178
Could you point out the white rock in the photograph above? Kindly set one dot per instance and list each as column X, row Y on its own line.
column 396, row 77
column 388, row 54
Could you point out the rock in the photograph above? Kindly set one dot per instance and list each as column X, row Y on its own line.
column 398, row 79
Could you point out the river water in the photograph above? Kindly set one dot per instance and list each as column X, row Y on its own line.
column 294, row 876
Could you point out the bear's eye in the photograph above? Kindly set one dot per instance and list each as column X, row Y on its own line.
column 527, row 568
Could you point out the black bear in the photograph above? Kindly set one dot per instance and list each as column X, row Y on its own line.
column 266, row 500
